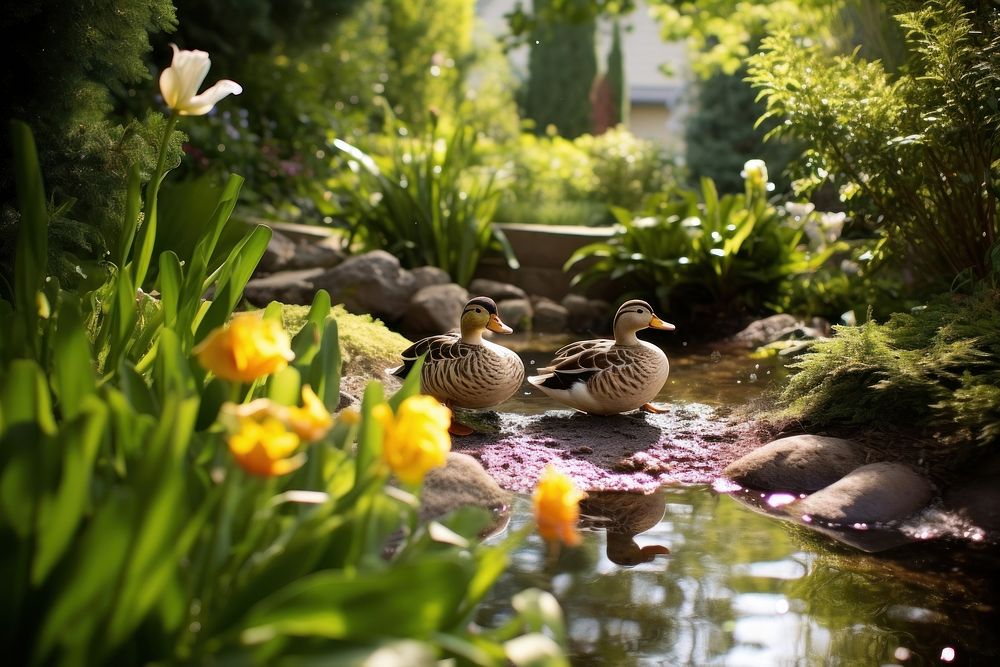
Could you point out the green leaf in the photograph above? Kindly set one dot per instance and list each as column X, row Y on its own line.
column 370, row 434
column 73, row 372
column 133, row 208
column 59, row 515
column 31, row 254
column 324, row 371
column 171, row 280
column 412, row 600
column 236, row 271
column 411, row 385
column 283, row 387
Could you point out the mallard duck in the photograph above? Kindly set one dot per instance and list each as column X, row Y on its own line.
column 462, row 369
column 607, row 377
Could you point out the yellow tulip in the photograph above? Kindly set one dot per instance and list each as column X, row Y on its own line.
column 179, row 84
column 312, row 421
column 556, row 502
column 416, row 438
column 246, row 348
column 264, row 447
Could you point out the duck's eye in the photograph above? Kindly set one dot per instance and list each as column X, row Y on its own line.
column 640, row 311
column 479, row 311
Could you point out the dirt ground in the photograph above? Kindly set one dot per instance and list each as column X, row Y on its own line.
column 637, row 452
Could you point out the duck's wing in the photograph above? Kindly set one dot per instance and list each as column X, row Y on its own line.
column 578, row 362
column 436, row 348
column 574, row 350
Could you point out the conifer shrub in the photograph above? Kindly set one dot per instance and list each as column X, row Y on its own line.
column 936, row 368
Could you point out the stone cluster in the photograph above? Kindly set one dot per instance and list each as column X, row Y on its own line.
column 419, row 302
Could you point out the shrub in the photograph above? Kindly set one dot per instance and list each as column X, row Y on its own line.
column 424, row 200
column 700, row 255
column 918, row 150
column 558, row 181
column 937, row 369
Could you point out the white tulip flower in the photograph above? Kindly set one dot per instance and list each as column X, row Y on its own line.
column 755, row 171
column 179, row 84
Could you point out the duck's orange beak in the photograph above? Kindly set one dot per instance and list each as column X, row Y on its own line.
column 496, row 325
column 657, row 323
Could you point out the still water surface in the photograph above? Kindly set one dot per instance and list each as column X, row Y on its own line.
column 742, row 588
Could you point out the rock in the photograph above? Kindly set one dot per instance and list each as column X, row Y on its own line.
column 977, row 497
column 767, row 330
column 587, row 315
column 874, row 493
column 370, row 283
column 291, row 287
column 462, row 481
column 516, row 313
column 496, row 290
column 324, row 254
column 279, row 252
column 434, row 309
column 798, row 463
column 425, row 276
column 549, row 317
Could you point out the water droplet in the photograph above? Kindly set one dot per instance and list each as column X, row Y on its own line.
column 901, row 653
column 753, row 377
column 947, row 654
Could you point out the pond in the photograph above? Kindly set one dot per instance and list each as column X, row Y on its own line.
column 742, row 588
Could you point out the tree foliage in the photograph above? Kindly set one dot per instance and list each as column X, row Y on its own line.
column 918, row 150
column 64, row 62
column 562, row 67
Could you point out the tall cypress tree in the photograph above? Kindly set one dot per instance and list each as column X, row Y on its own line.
column 616, row 76
column 562, row 67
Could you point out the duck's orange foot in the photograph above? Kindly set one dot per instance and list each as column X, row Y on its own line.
column 649, row 407
column 458, row 428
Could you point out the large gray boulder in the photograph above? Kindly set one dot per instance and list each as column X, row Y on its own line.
column 425, row 276
column 435, row 309
column 587, row 315
column 462, row 481
column 874, row 493
column 549, row 317
column 975, row 496
column 516, row 313
column 279, row 252
column 798, row 463
column 292, row 287
column 325, row 254
column 370, row 283
column 496, row 290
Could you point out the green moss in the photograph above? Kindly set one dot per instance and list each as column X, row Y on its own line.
column 367, row 346
column 937, row 368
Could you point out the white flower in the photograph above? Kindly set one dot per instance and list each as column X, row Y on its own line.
column 755, row 171
column 179, row 84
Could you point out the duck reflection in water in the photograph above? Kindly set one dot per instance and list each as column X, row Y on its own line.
column 622, row 516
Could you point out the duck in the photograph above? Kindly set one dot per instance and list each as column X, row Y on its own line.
column 623, row 515
column 461, row 368
column 608, row 377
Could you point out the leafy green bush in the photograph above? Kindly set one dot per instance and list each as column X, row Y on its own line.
column 935, row 368
column 558, row 181
column 917, row 152
column 424, row 200
column 699, row 255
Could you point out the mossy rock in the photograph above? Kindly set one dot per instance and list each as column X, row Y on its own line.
column 367, row 346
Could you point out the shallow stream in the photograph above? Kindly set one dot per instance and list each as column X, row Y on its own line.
column 740, row 587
